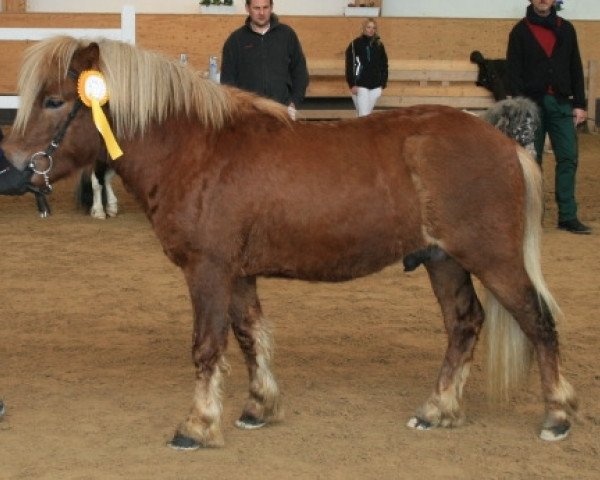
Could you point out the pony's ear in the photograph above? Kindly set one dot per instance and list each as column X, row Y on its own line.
column 87, row 58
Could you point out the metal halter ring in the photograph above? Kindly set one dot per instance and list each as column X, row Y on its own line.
column 44, row 173
column 33, row 165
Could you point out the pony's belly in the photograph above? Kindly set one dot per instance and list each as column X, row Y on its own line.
column 326, row 262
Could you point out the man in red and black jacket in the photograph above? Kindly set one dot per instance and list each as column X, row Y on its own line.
column 544, row 64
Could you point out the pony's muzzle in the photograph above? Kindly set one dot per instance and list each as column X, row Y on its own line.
column 18, row 182
column 12, row 180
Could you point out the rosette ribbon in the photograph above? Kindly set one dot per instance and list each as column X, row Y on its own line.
column 93, row 92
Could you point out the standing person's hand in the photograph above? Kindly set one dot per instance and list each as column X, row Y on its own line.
column 292, row 111
column 354, row 90
column 578, row 116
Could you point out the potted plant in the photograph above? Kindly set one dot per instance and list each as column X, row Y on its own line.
column 208, row 3
column 217, row 6
column 361, row 8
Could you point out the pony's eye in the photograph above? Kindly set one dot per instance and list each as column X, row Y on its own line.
column 53, row 102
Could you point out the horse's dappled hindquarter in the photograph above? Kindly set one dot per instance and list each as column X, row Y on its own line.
column 235, row 191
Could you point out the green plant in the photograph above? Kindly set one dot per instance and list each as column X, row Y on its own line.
column 208, row 3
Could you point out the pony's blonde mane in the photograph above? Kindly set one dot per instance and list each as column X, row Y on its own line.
column 144, row 87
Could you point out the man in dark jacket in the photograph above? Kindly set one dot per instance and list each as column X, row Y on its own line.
column 544, row 64
column 265, row 57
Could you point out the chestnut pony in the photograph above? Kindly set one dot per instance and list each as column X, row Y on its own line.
column 234, row 190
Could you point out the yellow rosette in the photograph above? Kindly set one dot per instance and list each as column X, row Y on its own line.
column 93, row 92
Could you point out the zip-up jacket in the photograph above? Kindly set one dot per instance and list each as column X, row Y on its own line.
column 271, row 65
column 533, row 73
column 373, row 61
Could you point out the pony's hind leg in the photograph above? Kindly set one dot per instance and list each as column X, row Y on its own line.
column 463, row 317
column 254, row 337
column 536, row 320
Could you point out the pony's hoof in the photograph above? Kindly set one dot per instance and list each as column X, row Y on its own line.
column 98, row 215
column 249, row 422
column 555, row 433
column 419, row 424
column 181, row 442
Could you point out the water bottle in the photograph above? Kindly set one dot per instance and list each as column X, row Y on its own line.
column 212, row 68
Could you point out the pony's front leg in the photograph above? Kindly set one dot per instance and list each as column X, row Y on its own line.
column 210, row 292
column 463, row 318
column 254, row 337
column 112, row 205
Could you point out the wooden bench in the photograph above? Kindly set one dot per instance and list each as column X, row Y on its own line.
column 411, row 82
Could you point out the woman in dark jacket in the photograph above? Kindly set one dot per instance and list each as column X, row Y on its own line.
column 366, row 68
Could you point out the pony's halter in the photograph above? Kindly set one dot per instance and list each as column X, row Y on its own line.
column 54, row 144
column 40, row 192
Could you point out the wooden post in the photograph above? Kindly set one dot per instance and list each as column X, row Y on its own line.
column 14, row 6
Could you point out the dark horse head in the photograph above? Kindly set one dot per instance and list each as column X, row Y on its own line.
column 492, row 75
column 12, row 180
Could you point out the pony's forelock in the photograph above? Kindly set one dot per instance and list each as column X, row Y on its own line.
column 144, row 87
column 44, row 62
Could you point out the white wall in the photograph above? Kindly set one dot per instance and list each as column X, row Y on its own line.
column 283, row 7
column 574, row 9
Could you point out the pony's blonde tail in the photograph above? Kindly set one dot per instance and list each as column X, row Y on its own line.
column 510, row 352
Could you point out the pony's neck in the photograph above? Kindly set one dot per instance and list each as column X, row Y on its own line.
column 148, row 162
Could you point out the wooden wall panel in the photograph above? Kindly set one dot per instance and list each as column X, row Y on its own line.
column 322, row 37
column 12, row 52
column 19, row 6
column 60, row 20
column 199, row 36
column 11, row 61
column 327, row 38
